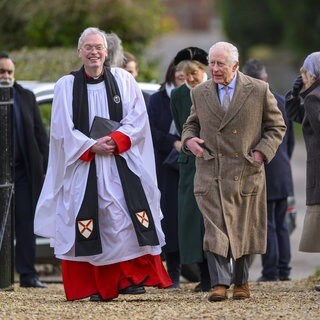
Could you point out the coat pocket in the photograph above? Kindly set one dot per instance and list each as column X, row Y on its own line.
column 251, row 178
column 203, row 176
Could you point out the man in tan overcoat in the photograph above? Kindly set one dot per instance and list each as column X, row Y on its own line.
column 234, row 127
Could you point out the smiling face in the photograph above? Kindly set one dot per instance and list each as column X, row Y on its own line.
column 194, row 72
column 221, row 68
column 179, row 78
column 93, row 54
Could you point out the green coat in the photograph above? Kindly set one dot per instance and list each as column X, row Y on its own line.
column 190, row 228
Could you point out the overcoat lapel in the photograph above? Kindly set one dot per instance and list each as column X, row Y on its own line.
column 242, row 90
column 212, row 99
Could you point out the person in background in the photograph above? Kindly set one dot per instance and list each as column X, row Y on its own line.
column 192, row 61
column 302, row 104
column 166, row 142
column 85, row 206
column 31, row 147
column 115, row 50
column 234, row 127
column 130, row 64
column 276, row 260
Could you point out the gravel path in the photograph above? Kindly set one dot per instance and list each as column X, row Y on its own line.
column 281, row 300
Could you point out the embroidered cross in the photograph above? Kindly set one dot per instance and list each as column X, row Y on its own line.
column 143, row 218
column 85, row 227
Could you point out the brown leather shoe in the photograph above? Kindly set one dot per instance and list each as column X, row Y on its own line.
column 218, row 293
column 241, row 292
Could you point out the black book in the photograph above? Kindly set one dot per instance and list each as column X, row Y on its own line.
column 102, row 127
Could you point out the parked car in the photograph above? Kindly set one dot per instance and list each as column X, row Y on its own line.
column 44, row 90
column 44, row 96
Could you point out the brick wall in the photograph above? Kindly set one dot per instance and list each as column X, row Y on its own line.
column 190, row 14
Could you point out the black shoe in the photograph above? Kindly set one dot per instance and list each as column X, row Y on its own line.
column 265, row 279
column 138, row 289
column 175, row 285
column 317, row 287
column 97, row 298
column 32, row 283
column 202, row 288
column 284, row 279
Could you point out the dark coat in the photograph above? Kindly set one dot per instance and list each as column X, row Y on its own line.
column 278, row 172
column 35, row 138
column 191, row 228
column 229, row 185
column 308, row 114
column 160, row 121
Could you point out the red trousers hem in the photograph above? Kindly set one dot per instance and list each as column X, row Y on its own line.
column 82, row 279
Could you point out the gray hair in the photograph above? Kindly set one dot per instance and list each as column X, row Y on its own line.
column 89, row 31
column 312, row 64
column 227, row 46
column 115, row 50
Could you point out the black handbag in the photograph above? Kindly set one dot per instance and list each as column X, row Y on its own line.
column 172, row 159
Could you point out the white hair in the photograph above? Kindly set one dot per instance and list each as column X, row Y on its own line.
column 92, row 30
column 229, row 47
column 115, row 50
column 312, row 64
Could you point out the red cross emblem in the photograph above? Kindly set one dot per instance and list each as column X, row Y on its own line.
column 85, row 227
column 143, row 218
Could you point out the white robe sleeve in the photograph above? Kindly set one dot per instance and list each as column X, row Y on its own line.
column 66, row 147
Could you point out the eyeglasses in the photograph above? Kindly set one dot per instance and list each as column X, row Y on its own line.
column 9, row 72
column 89, row 48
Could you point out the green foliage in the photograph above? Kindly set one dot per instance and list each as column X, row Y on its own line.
column 45, row 111
column 48, row 65
column 249, row 22
column 148, row 71
column 297, row 129
column 43, row 64
column 293, row 24
column 55, row 23
column 317, row 273
column 301, row 21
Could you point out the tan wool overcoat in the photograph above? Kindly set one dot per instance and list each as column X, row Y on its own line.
column 229, row 185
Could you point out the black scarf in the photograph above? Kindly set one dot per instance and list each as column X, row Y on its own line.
column 136, row 200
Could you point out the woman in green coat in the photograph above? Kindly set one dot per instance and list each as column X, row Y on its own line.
column 192, row 62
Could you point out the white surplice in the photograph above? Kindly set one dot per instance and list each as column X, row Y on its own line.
column 66, row 177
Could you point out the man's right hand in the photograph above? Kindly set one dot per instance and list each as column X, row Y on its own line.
column 297, row 86
column 104, row 146
column 193, row 144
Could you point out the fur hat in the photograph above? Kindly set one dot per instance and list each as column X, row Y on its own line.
column 191, row 53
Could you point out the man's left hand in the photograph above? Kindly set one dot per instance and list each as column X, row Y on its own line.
column 258, row 156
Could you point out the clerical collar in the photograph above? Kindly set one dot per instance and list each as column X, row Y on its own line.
column 98, row 79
